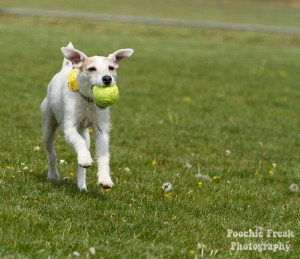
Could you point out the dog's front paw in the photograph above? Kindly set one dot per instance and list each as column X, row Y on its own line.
column 85, row 160
column 105, row 181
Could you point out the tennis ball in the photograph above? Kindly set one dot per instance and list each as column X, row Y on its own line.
column 105, row 96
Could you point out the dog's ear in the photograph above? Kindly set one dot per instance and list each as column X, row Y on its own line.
column 120, row 54
column 70, row 45
column 75, row 56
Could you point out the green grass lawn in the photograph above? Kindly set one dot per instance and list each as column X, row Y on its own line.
column 186, row 96
column 267, row 12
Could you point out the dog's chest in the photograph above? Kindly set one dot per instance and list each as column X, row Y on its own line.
column 85, row 118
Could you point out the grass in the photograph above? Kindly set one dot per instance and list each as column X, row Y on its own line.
column 186, row 96
column 267, row 12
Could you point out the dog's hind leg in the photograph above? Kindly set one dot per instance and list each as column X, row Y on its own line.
column 49, row 127
column 81, row 172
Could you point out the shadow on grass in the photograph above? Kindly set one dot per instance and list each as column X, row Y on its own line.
column 69, row 187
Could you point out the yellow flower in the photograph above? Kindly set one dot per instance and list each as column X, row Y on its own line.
column 107, row 190
column 256, row 173
column 91, row 131
column 72, row 174
column 174, row 217
column 187, row 99
column 216, row 177
column 271, row 172
column 153, row 163
column 168, row 195
column 200, row 184
column 254, row 71
column 191, row 252
column 282, row 73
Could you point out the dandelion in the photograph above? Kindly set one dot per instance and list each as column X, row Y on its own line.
column 199, row 245
column 294, row 187
column 127, row 170
column 36, row 148
column 191, row 252
column 215, row 177
column 271, row 172
column 76, row 254
column 174, row 217
column 200, row 184
column 187, row 165
column 107, row 190
column 203, row 176
column 72, row 174
column 227, row 152
column 91, row 131
column 66, row 179
column 63, row 162
column 282, row 73
column 92, row 250
column 259, row 228
column 153, row 163
column 166, row 187
column 168, row 195
column 187, row 99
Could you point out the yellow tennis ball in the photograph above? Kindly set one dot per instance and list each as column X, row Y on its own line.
column 105, row 96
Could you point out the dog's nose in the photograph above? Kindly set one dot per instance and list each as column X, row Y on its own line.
column 106, row 80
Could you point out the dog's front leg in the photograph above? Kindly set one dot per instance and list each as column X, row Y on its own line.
column 77, row 141
column 102, row 147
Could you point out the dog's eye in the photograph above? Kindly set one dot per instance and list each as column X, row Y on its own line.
column 111, row 68
column 92, row 69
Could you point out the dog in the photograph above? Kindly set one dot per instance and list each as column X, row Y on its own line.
column 75, row 112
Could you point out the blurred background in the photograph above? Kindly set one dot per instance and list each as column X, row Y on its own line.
column 266, row 12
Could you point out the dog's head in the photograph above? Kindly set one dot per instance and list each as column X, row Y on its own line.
column 96, row 70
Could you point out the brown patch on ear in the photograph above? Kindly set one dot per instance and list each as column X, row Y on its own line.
column 86, row 63
column 113, row 63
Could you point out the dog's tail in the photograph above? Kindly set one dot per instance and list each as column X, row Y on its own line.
column 67, row 63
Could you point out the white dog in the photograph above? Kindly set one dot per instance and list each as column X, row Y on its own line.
column 76, row 111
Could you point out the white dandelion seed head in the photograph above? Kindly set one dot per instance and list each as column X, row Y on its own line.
column 259, row 228
column 66, row 178
column 63, row 162
column 294, row 187
column 203, row 176
column 227, row 152
column 166, row 187
column 36, row 148
column 187, row 165
column 92, row 251
column 76, row 254
column 274, row 165
column 127, row 170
